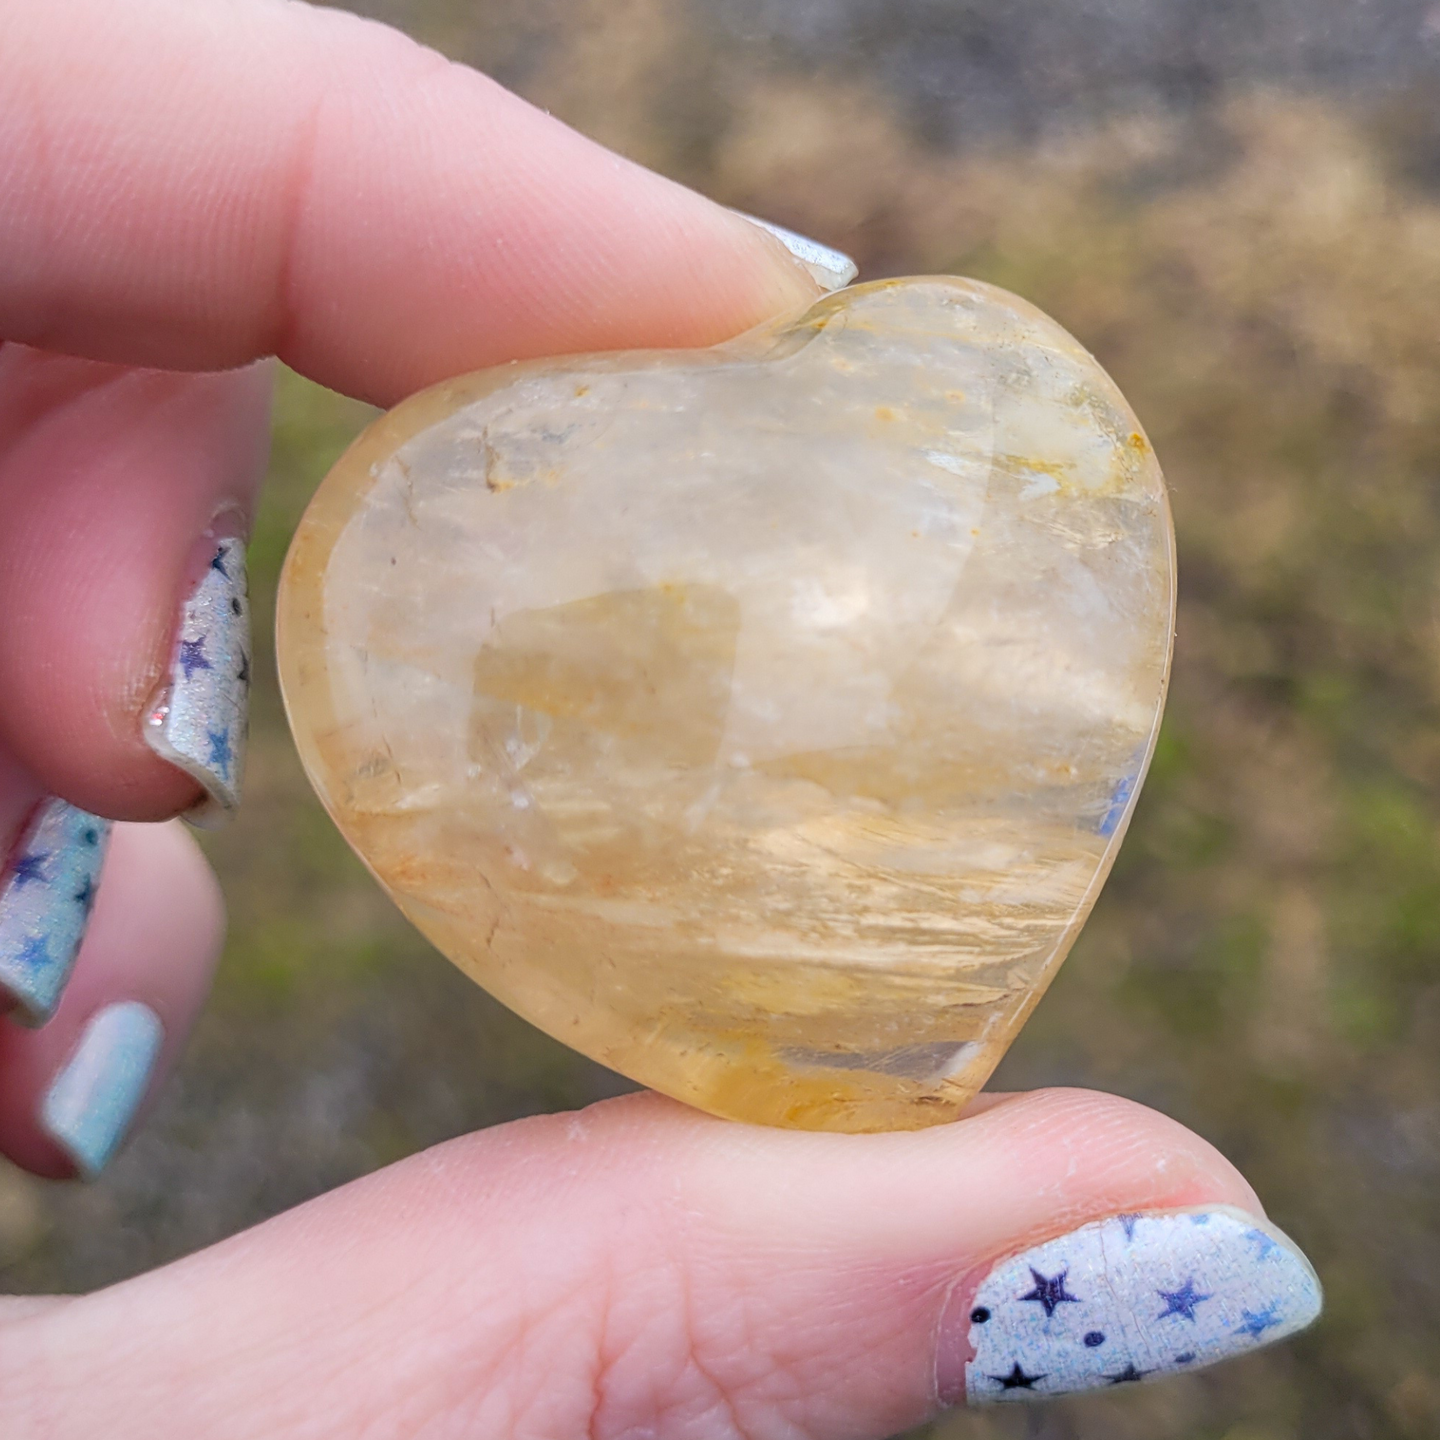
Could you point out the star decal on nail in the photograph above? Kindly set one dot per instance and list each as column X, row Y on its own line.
column 84, row 897
column 1017, row 1379
column 243, row 674
column 1182, row 1301
column 220, row 750
column 192, row 657
column 35, row 953
column 1255, row 1323
column 1050, row 1291
column 218, row 563
column 1262, row 1242
column 1128, row 1376
column 29, row 867
column 1160, row 1298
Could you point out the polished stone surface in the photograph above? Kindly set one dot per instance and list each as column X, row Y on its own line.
column 761, row 721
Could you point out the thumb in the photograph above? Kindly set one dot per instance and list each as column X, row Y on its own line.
column 640, row 1269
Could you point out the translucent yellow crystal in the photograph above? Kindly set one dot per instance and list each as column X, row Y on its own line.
column 761, row 721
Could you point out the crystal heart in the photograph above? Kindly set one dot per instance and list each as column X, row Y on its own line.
column 761, row 721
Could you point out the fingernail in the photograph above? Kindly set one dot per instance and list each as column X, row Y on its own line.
column 832, row 269
column 1132, row 1298
column 90, row 1103
column 47, row 889
column 198, row 719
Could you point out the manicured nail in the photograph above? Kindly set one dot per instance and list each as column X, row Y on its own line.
column 1132, row 1298
column 199, row 718
column 47, row 889
column 831, row 269
column 90, row 1103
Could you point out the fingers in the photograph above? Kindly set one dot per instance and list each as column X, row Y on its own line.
column 70, row 1090
column 642, row 1269
column 217, row 181
column 118, row 489
column 124, row 666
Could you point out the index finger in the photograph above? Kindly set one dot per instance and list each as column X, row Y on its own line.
column 194, row 183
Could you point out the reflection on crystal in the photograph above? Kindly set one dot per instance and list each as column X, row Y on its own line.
column 763, row 720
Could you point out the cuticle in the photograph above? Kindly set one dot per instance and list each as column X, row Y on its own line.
column 220, row 528
column 950, row 1341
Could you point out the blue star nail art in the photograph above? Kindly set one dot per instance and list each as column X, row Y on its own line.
column 84, row 897
column 1050, row 1291
column 1128, row 1376
column 29, row 869
column 1256, row 1322
column 1182, row 1301
column 1105, row 1305
column 47, row 890
column 198, row 719
column 1017, row 1379
column 192, row 657
column 34, row 955
column 1264, row 1244
column 220, row 751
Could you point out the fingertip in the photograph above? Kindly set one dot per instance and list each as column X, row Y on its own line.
column 48, row 886
column 1132, row 1297
column 92, row 1100
column 390, row 219
column 1103, row 1151
column 111, row 484
column 74, row 1088
column 791, row 1281
column 830, row 269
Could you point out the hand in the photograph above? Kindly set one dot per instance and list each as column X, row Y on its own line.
column 193, row 186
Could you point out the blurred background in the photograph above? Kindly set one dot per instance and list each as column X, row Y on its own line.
column 1237, row 208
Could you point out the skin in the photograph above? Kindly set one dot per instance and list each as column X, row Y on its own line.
column 191, row 187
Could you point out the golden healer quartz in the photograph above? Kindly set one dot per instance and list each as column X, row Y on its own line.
column 761, row 721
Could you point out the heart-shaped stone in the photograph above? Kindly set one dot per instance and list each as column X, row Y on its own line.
column 761, row 721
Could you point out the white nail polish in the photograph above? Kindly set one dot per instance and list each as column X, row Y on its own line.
column 47, row 888
column 91, row 1102
column 831, row 269
column 199, row 718
column 1132, row 1298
